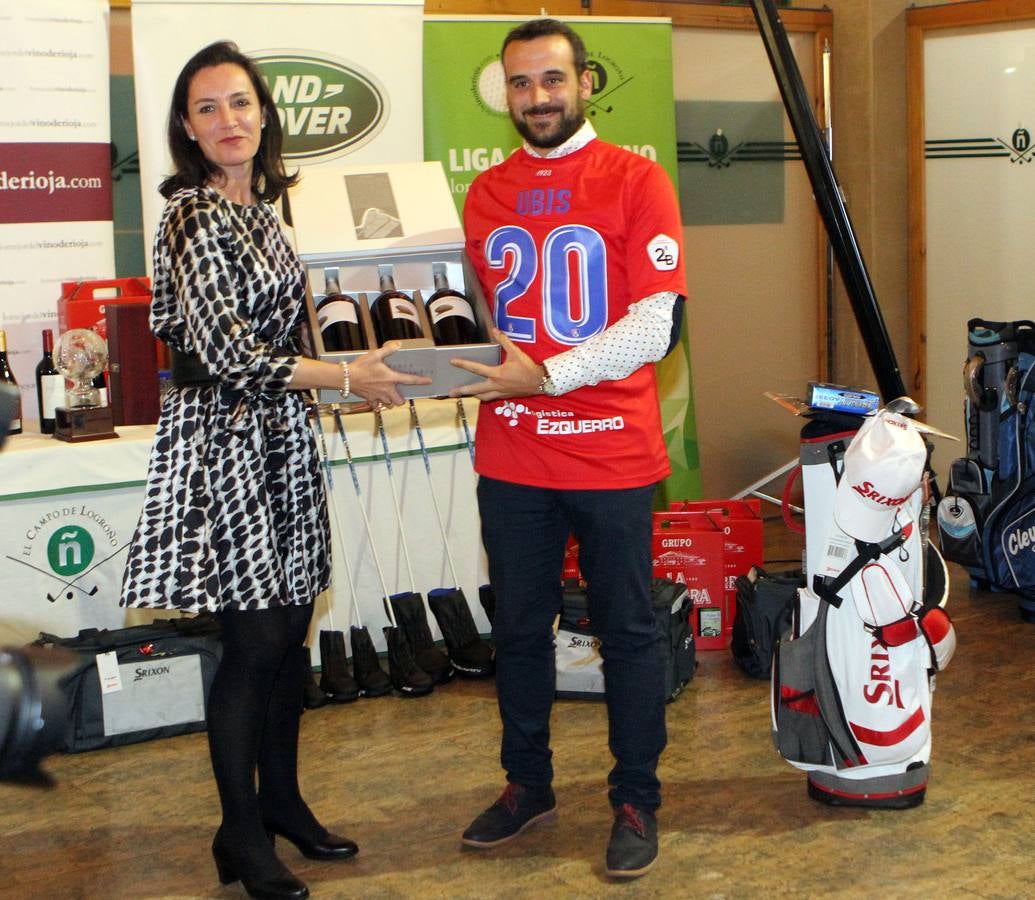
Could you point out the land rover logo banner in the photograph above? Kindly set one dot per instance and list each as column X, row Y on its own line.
column 341, row 99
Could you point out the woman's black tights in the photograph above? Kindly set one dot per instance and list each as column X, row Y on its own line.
column 254, row 707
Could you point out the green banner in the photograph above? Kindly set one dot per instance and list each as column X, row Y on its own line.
column 467, row 129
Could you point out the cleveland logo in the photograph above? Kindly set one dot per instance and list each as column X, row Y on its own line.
column 867, row 490
column 1020, row 539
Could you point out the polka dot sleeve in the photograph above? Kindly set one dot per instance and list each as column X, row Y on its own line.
column 642, row 335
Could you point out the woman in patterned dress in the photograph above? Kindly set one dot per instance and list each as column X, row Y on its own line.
column 235, row 517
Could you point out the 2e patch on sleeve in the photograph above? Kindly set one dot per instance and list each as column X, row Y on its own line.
column 663, row 252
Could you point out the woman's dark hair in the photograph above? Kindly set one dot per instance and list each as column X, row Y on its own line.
column 192, row 169
column 537, row 28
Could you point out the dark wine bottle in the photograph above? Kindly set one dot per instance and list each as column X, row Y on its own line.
column 450, row 312
column 338, row 315
column 394, row 313
column 101, row 384
column 7, row 377
column 50, row 384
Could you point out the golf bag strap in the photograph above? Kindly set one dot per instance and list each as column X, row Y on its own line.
column 829, row 589
column 895, row 634
column 836, row 453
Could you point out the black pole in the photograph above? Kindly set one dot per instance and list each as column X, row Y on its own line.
column 830, row 202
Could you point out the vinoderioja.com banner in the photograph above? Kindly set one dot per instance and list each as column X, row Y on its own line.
column 55, row 168
column 467, row 128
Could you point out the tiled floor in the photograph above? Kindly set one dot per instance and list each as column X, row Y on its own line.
column 404, row 777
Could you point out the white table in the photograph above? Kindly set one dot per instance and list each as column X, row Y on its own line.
column 68, row 511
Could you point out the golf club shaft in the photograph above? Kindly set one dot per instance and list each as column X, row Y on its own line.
column 366, row 520
column 462, row 413
column 333, row 503
column 431, row 489
column 325, row 467
column 395, row 497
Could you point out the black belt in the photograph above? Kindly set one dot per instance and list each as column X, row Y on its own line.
column 187, row 369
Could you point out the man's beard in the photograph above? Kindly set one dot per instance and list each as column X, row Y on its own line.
column 568, row 124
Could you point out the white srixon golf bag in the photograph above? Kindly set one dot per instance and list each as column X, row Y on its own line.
column 852, row 681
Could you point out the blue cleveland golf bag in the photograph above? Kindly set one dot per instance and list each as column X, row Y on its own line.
column 986, row 521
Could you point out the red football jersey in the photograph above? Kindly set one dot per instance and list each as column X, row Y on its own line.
column 562, row 247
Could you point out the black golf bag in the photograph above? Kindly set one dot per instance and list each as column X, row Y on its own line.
column 986, row 521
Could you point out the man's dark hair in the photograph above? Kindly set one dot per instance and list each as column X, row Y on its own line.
column 537, row 28
column 192, row 169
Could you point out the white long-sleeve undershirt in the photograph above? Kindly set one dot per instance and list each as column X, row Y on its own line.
column 642, row 335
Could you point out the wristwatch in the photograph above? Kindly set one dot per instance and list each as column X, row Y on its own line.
column 546, row 385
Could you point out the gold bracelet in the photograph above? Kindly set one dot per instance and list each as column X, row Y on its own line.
column 345, row 381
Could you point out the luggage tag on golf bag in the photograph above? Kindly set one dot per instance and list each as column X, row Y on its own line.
column 108, row 672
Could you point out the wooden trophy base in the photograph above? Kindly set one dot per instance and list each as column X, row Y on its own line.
column 84, row 423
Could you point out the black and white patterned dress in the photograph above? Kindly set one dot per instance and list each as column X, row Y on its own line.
column 235, row 515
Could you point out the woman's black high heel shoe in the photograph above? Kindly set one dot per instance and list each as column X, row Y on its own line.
column 280, row 885
column 328, row 847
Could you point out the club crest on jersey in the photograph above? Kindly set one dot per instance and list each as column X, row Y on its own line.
column 543, row 202
column 663, row 252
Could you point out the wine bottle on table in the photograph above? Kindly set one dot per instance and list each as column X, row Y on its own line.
column 450, row 312
column 50, row 384
column 101, row 384
column 394, row 313
column 7, row 377
column 338, row 315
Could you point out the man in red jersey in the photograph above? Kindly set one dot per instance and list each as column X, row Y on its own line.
column 577, row 245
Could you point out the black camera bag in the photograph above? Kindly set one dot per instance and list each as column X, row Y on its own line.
column 165, row 668
column 579, row 664
column 765, row 607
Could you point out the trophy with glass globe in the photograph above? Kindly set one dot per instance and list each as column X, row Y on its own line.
column 81, row 355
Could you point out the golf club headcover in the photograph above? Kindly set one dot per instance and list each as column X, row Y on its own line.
column 412, row 620
column 487, row 598
column 313, row 696
column 407, row 677
column 938, row 630
column 471, row 655
column 335, row 679
column 373, row 681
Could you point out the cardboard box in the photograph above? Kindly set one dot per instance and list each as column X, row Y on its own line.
column 688, row 548
column 354, row 220
column 741, row 524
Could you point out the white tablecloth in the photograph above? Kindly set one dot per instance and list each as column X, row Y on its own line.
column 68, row 511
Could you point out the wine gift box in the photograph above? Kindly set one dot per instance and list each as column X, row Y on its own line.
column 355, row 225
column 132, row 364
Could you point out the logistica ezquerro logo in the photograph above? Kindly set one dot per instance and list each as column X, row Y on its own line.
column 326, row 106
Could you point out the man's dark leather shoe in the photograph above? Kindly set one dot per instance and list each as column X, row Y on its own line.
column 633, row 847
column 518, row 808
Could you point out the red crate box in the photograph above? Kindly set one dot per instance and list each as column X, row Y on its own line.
column 689, row 548
column 741, row 522
column 82, row 303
